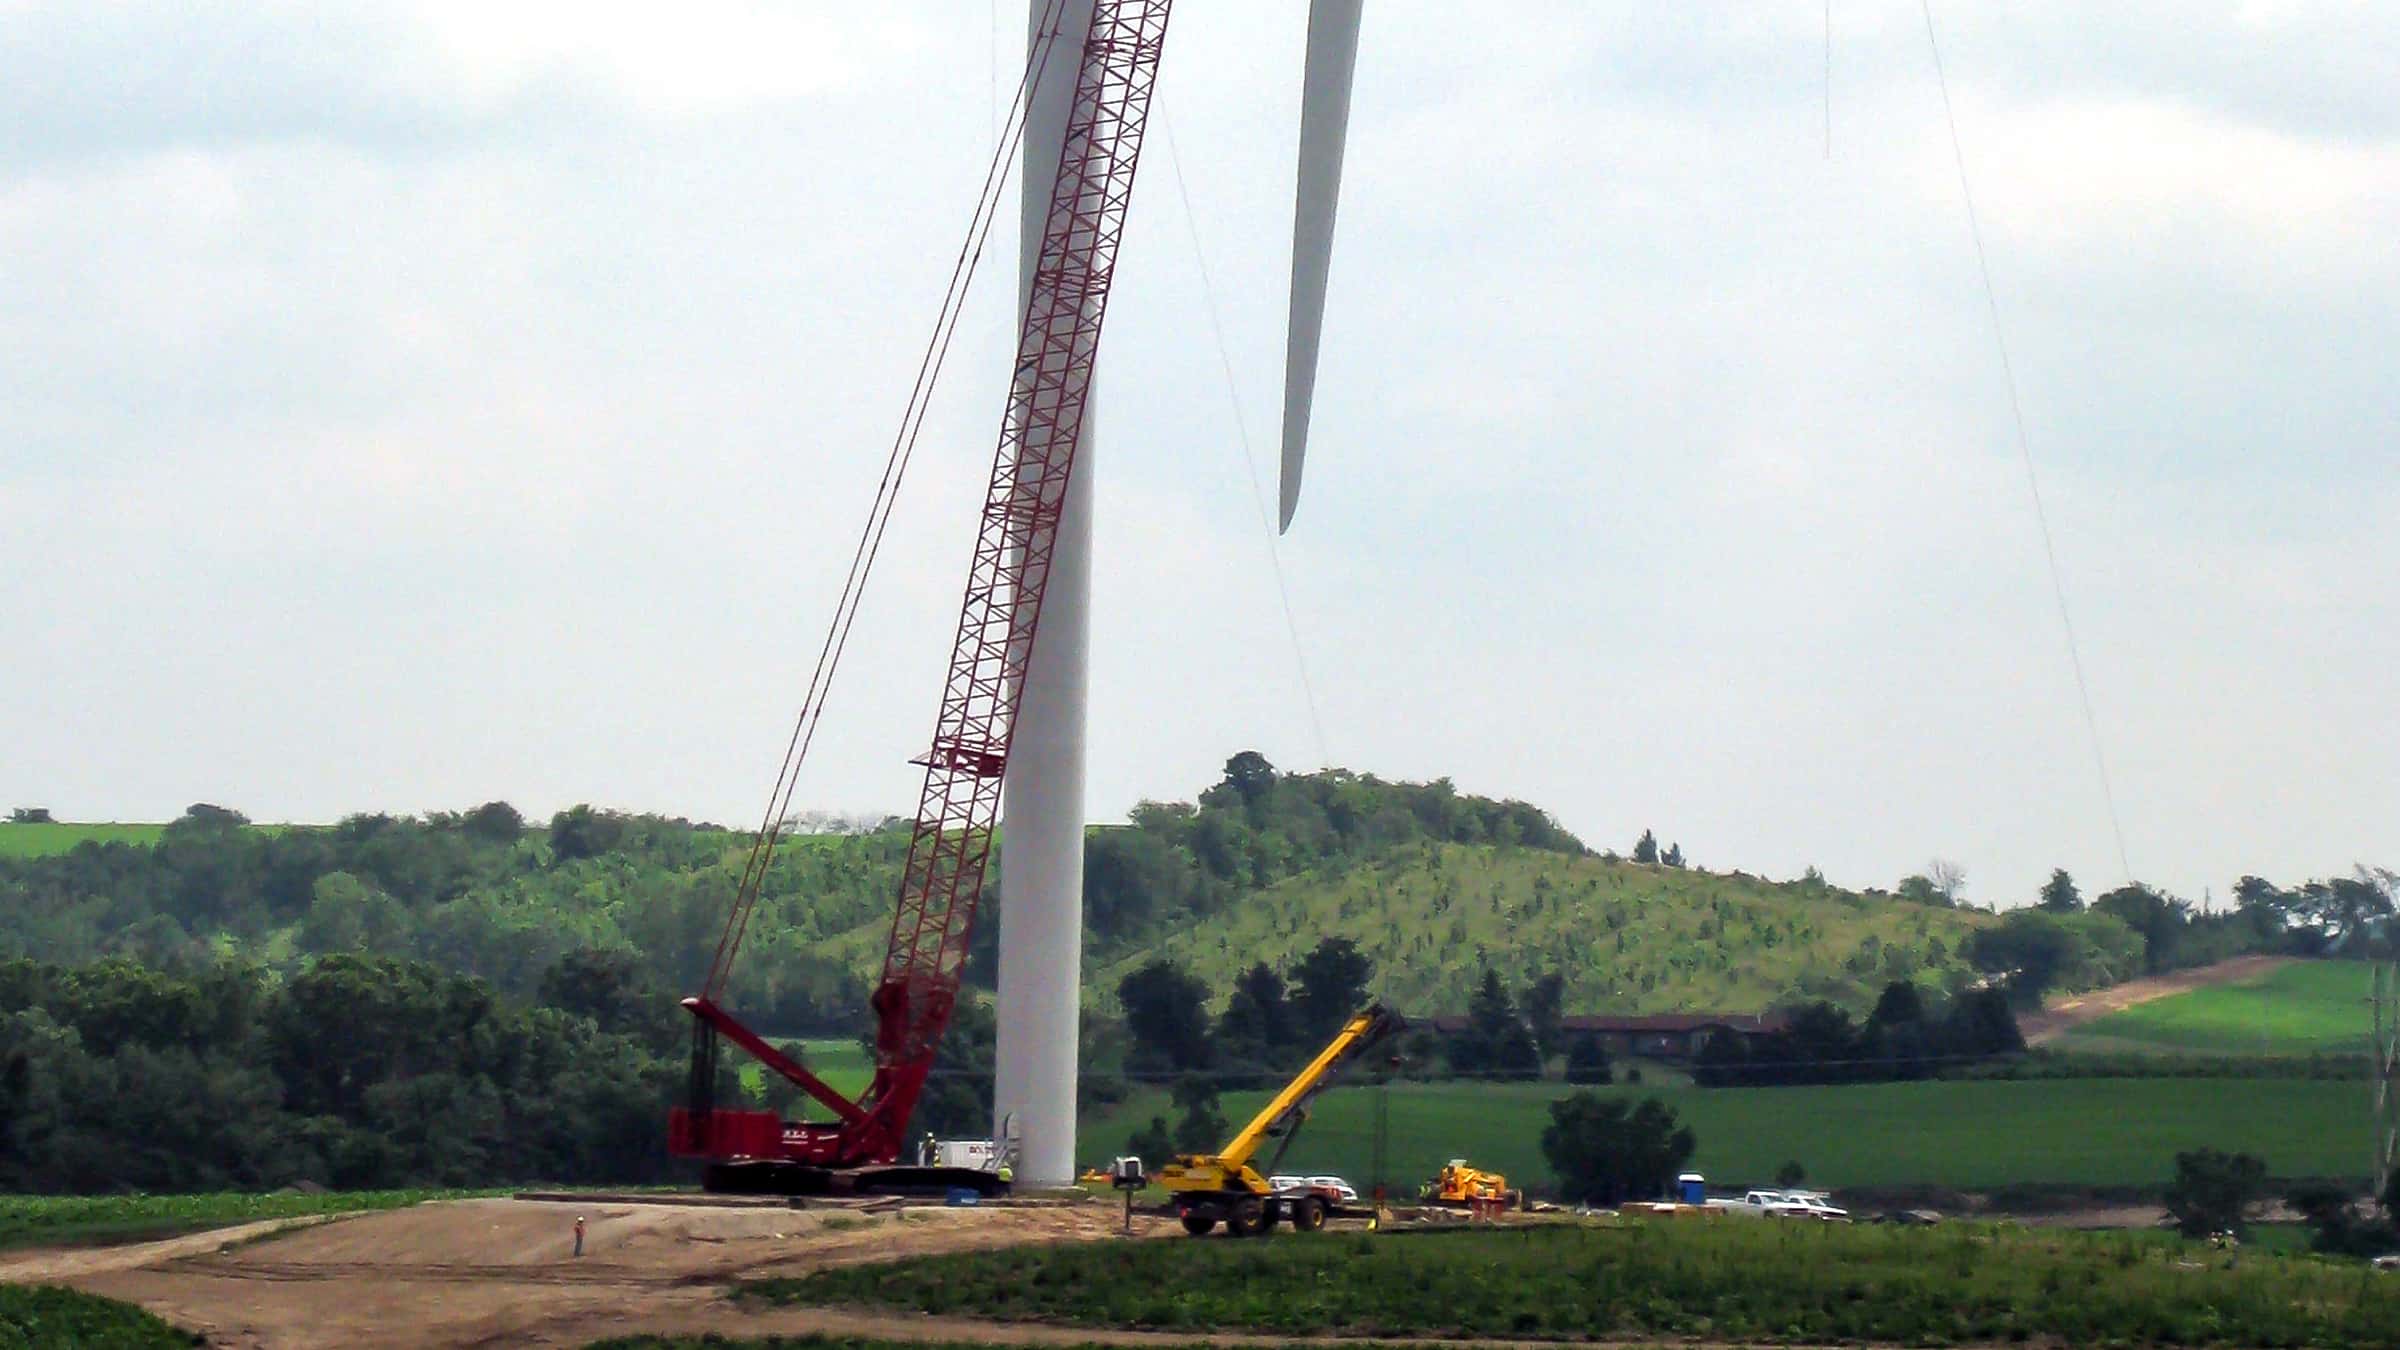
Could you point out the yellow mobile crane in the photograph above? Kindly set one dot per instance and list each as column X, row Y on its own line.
column 1213, row 1188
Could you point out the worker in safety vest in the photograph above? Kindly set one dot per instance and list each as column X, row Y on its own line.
column 928, row 1149
column 1007, row 1174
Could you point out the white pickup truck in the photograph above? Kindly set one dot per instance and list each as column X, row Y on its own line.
column 1784, row 1205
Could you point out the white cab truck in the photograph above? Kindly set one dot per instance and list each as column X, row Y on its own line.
column 1770, row 1204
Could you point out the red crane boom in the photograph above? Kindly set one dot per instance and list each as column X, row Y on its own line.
column 959, row 804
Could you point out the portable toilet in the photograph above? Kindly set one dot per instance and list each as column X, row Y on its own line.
column 1692, row 1189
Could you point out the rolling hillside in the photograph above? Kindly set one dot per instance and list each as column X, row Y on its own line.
column 1628, row 937
column 1432, row 884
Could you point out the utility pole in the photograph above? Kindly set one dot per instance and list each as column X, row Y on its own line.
column 2383, row 996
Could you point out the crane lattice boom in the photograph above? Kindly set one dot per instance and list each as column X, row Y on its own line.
column 958, row 807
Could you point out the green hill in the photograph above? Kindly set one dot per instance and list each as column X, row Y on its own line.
column 1627, row 937
column 1433, row 884
column 2306, row 1007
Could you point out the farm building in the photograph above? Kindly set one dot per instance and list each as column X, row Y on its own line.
column 1672, row 1037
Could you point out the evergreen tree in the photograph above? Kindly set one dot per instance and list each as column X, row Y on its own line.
column 1587, row 1062
column 1645, row 849
column 2059, row 895
column 1498, row 1041
column 1544, row 1004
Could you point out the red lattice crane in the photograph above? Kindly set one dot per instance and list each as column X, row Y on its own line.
column 959, row 805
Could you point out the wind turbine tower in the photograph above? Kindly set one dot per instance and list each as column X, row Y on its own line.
column 1041, row 861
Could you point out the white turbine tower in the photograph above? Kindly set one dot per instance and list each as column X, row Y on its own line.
column 1041, row 860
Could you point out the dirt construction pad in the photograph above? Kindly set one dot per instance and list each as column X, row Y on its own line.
column 504, row 1272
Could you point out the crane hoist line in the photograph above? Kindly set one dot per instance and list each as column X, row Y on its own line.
column 958, row 807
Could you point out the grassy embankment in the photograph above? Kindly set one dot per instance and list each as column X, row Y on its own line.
column 1725, row 1280
column 2091, row 1132
column 44, row 1317
column 103, row 1220
column 2307, row 1007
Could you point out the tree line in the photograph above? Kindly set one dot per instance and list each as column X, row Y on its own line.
column 351, row 1072
column 1906, row 1036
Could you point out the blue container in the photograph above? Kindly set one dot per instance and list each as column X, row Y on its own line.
column 1692, row 1188
column 960, row 1195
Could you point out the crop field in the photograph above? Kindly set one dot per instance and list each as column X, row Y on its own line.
column 43, row 840
column 2115, row 1131
column 101, row 1220
column 1730, row 1279
column 2307, row 1007
column 42, row 1317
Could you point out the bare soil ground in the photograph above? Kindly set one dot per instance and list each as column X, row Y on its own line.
column 503, row 1272
column 2074, row 1010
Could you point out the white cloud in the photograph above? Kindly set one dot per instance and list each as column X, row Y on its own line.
column 423, row 403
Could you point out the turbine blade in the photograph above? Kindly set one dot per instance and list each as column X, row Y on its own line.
column 1324, row 127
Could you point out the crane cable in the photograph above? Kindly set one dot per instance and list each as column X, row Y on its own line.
column 2033, row 485
column 1241, row 427
column 895, row 469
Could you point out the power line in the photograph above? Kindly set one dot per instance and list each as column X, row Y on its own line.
column 2033, row 485
column 1241, row 426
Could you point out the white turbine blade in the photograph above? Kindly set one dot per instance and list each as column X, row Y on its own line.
column 1324, row 126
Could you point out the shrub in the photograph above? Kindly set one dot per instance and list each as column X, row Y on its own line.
column 2213, row 1191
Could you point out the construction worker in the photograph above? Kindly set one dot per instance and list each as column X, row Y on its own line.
column 579, row 1235
column 928, row 1149
column 1008, row 1175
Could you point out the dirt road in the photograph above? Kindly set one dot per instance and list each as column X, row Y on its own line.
column 503, row 1272
column 2076, row 1009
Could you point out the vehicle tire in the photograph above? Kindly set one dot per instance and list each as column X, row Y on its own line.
column 1198, row 1225
column 1308, row 1214
column 1247, row 1219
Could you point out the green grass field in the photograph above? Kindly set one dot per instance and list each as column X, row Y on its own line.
column 44, row 840
column 44, row 1317
column 103, row 1220
column 2086, row 1132
column 2307, row 1007
column 1724, row 1280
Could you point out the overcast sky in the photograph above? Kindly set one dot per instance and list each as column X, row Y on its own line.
column 404, row 405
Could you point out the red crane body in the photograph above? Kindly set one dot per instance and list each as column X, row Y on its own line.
column 959, row 805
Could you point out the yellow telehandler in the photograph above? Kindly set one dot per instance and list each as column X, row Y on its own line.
column 1212, row 1188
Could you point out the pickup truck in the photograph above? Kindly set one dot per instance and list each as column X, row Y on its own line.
column 1783, row 1205
column 1332, row 1190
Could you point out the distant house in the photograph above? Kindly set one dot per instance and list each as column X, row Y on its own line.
column 1673, row 1037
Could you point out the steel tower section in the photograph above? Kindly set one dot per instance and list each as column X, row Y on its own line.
column 1041, row 868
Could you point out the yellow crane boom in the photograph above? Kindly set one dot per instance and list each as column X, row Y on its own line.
column 1209, row 1188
